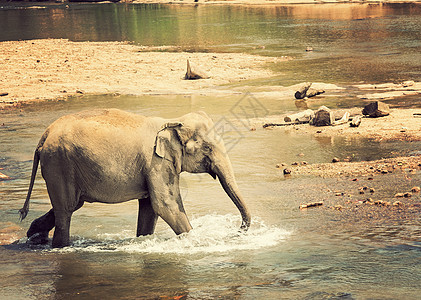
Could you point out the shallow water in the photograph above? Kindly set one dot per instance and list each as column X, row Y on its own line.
column 357, row 253
column 288, row 253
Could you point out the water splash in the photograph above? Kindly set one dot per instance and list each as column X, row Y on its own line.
column 211, row 233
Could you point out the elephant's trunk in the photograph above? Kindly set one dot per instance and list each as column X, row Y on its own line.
column 222, row 168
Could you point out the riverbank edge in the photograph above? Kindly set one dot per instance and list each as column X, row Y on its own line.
column 223, row 2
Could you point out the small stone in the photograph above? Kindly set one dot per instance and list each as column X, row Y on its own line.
column 335, row 160
column 372, row 190
column 416, row 189
column 338, row 207
column 361, row 191
column 294, row 163
column 287, row 171
column 253, row 128
column 397, row 203
column 3, row 176
column 399, row 195
column 304, row 163
column 407, row 195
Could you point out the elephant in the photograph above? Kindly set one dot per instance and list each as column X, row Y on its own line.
column 113, row 156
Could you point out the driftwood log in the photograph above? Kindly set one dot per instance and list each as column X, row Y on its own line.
column 194, row 72
column 302, row 116
column 301, row 93
column 343, row 120
column 313, row 92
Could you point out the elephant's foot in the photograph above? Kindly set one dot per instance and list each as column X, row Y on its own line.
column 61, row 237
column 39, row 238
column 38, row 231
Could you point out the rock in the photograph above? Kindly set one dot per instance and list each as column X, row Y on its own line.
column 3, row 94
column 295, row 163
column 193, row 72
column 399, row 195
column 4, row 177
column 301, row 93
column 397, row 203
column 335, row 160
column 309, row 49
column 407, row 195
column 302, row 116
column 407, row 83
column 355, row 122
column 416, row 189
column 372, row 190
column 287, row 171
column 311, row 204
column 376, row 109
column 323, row 117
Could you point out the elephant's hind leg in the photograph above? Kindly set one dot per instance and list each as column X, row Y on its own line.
column 147, row 218
column 65, row 198
column 39, row 229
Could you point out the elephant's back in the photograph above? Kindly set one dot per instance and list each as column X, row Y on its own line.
column 105, row 117
column 99, row 128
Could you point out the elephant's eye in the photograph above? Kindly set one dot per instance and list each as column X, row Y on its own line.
column 207, row 148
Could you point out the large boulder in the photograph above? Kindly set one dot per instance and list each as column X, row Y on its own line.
column 323, row 117
column 376, row 109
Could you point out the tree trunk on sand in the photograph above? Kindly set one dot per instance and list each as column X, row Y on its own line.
column 301, row 93
column 302, row 116
column 193, row 72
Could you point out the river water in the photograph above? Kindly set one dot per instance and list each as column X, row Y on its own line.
column 356, row 253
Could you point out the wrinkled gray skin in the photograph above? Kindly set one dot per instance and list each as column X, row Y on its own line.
column 111, row 156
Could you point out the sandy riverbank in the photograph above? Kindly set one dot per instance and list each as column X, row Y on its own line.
column 49, row 69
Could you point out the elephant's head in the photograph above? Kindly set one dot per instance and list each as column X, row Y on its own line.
column 194, row 146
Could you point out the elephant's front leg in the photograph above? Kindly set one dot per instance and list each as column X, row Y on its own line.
column 147, row 218
column 165, row 197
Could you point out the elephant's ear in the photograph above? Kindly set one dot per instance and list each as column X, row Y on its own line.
column 163, row 147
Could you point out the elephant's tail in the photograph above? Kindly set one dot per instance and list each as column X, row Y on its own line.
column 24, row 210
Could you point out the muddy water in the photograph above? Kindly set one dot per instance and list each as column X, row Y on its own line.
column 288, row 253
column 355, row 253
